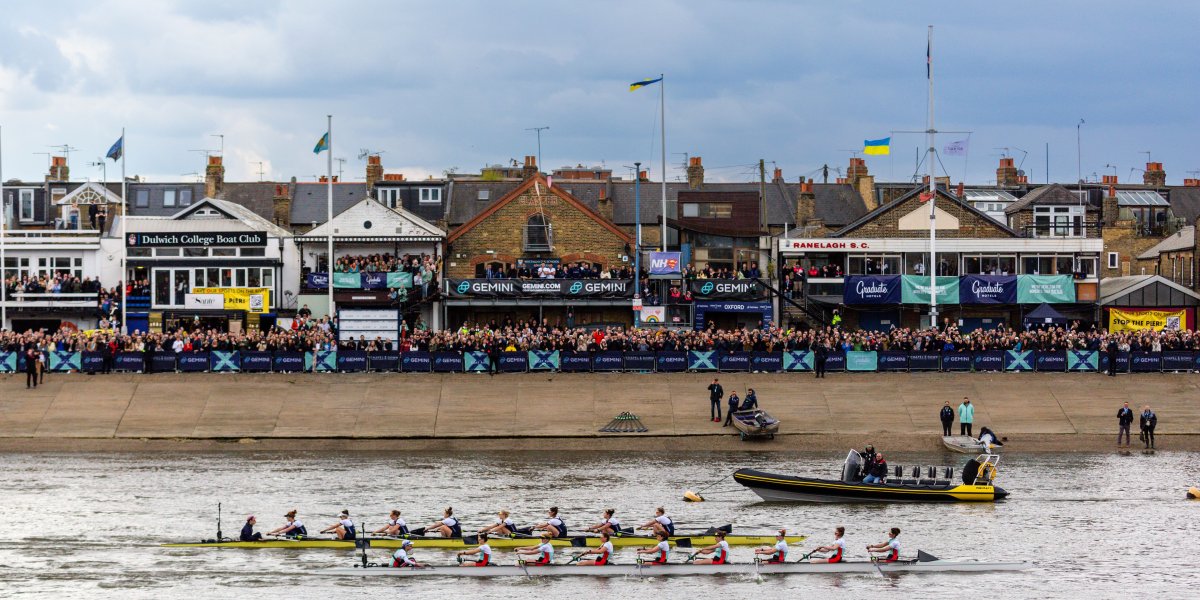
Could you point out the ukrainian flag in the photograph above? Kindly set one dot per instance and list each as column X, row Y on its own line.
column 643, row 83
column 878, row 147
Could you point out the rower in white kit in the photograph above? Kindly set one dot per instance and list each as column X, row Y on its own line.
column 344, row 528
column 553, row 525
column 394, row 525
column 719, row 552
column 660, row 523
column 610, row 524
column 544, row 551
column 448, row 526
column 400, row 558
column 603, row 553
column 503, row 525
column 660, row 552
column 483, row 552
column 837, row 547
column 778, row 552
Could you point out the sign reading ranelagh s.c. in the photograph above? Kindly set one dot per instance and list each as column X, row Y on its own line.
column 204, row 238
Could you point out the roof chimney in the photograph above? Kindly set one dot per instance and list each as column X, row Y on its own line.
column 1006, row 173
column 281, row 203
column 863, row 182
column 374, row 172
column 806, row 205
column 1154, row 176
column 530, row 169
column 962, row 190
column 778, row 178
column 644, row 175
column 1109, row 180
column 1110, row 210
column 214, row 178
column 1191, row 182
column 695, row 173
column 59, row 171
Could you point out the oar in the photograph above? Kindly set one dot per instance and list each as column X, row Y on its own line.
column 875, row 562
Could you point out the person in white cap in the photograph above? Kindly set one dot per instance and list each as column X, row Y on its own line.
column 402, row 559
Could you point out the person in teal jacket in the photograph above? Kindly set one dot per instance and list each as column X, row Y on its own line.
column 966, row 416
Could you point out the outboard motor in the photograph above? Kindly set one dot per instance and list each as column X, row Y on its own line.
column 850, row 470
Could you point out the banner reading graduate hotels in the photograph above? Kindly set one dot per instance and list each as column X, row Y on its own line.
column 206, row 238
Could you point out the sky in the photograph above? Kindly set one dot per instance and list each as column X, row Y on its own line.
column 455, row 85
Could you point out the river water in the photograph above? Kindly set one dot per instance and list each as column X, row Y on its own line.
column 90, row 525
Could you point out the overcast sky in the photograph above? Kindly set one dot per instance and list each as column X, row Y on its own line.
column 437, row 85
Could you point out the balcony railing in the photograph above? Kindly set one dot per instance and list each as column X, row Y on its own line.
column 49, row 300
column 1090, row 229
column 18, row 237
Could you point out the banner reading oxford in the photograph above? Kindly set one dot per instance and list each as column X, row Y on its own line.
column 1147, row 320
column 255, row 300
column 914, row 289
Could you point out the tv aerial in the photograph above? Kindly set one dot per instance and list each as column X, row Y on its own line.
column 363, row 153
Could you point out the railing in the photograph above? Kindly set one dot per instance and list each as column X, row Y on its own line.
column 49, row 300
column 51, row 236
column 1090, row 229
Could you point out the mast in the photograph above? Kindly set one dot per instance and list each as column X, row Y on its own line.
column 931, row 134
column 662, row 88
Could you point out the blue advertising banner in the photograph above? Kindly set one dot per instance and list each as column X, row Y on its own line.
column 90, row 362
column 474, row 362
column 223, row 361
column 608, row 361
column 165, row 362
column 20, row 362
column 1176, row 361
column 61, row 360
column 766, row 362
column 1083, row 360
column 446, row 362
column 892, row 361
column 835, row 362
column 1051, row 361
column 1122, row 362
column 416, row 362
column 318, row 281
column 762, row 311
column 925, row 361
column 513, row 362
column 734, row 361
column 543, row 360
column 665, row 263
column 862, row 361
column 254, row 361
column 1018, row 360
column 989, row 361
column 798, row 360
column 1145, row 362
column 702, row 360
column 8, row 362
column 639, row 361
column 672, row 362
column 872, row 289
column 326, row 360
column 384, row 360
column 288, row 362
column 351, row 361
column 573, row 362
column 131, row 361
column 988, row 289
column 957, row 362
column 372, row 280
column 187, row 362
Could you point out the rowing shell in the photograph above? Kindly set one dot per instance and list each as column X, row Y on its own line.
column 935, row 566
column 494, row 542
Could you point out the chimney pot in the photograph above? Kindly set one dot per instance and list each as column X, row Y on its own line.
column 778, row 174
column 1191, row 182
column 644, row 176
column 695, row 173
column 214, row 161
column 1112, row 191
column 961, row 189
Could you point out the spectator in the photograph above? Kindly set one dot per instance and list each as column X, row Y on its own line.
column 734, row 402
column 1148, row 422
column 947, row 417
column 966, row 416
column 1124, row 420
column 31, row 368
column 715, row 393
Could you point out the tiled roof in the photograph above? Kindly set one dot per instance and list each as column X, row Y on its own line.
column 1047, row 195
column 1184, row 239
column 309, row 200
column 256, row 196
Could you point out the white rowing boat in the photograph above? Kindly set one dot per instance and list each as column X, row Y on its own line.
column 969, row 445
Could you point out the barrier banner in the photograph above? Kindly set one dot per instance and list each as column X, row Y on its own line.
column 672, row 362
column 608, row 361
column 869, row 289
column 857, row 360
column 90, row 362
column 766, row 362
column 61, row 360
column 639, row 361
column 524, row 288
column 1018, row 360
column 1052, row 289
column 914, row 289
column 316, row 281
column 374, row 280
column 288, row 362
column 416, row 362
column 835, row 362
column 325, row 361
column 161, row 362
column 8, row 362
column 573, row 362
column 543, row 360
column 255, row 300
column 446, row 362
column 989, row 361
column 1083, row 360
column 513, row 362
column 187, row 362
column 734, row 361
column 346, row 281
column 957, row 361
column 254, row 361
column 702, row 360
column 476, row 362
column 924, row 361
column 1055, row 361
column 384, row 360
column 349, row 361
column 798, row 360
column 724, row 289
column 132, row 361
column 1176, row 361
column 1122, row 362
column 1145, row 362
column 221, row 361
column 400, row 280
column 1146, row 320
column 892, row 361
column 988, row 289
column 20, row 362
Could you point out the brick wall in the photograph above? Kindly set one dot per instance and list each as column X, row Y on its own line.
column 1122, row 238
column 971, row 225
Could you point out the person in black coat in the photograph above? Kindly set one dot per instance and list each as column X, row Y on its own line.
column 31, row 368
column 734, row 401
column 820, row 355
column 947, row 417
column 1149, row 421
column 1111, row 350
column 1124, row 420
column 715, row 393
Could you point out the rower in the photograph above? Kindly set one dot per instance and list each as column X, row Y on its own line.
column 502, row 526
column 293, row 527
column 544, row 551
column 838, row 547
column 401, row 558
column 248, row 534
column 448, row 526
column 660, row 523
column 891, row 547
column 778, row 552
column 395, row 525
column 610, row 524
column 483, row 551
column 344, row 528
column 661, row 550
column 719, row 550
column 553, row 526
column 604, row 552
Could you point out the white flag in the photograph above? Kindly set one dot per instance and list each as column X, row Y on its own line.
column 958, row 148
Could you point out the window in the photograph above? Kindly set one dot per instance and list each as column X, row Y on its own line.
column 142, row 199
column 537, row 234
column 1086, row 267
column 195, row 252
column 888, row 264
column 168, row 198
column 1113, row 257
column 166, row 251
column 137, row 252
column 1058, row 221
column 707, row 210
column 690, row 209
column 26, row 205
column 431, row 195
column 989, row 265
column 185, row 197
column 253, row 251
column 224, row 251
column 387, row 196
column 484, row 195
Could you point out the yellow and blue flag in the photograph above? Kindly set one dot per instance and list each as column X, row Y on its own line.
column 322, row 144
column 117, row 149
column 643, row 83
column 881, row 147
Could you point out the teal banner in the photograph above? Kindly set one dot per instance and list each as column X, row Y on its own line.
column 65, row 361
column 1053, row 289
column 327, row 360
column 8, row 362
column 399, row 280
column 863, row 361
column 544, row 360
column 798, row 360
column 347, row 280
column 914, row 289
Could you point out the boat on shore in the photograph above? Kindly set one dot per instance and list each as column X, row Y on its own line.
column 903, row 484
column 755, row 423
column 496, row 542
column 969, row 445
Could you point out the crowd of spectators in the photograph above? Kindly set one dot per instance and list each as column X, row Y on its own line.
column 58, row 283
column 556, row 270
column 423, row 264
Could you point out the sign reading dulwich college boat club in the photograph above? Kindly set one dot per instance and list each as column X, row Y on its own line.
column 988, row 289
column 737, row 289
column 521, row 288
column 205, row 238
column 666, row 263
column 870, row 289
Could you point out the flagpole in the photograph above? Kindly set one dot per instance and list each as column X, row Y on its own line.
column 124, row 241
column 3, row 235
column 933, row 311
column 663, row 120
column 329, row 213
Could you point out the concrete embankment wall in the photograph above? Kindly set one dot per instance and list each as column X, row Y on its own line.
column 1036, row 411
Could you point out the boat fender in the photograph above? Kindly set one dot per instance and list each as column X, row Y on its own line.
column 690, row 496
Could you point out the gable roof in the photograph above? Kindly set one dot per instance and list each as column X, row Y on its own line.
column 91, row 191
column 233, row 211
column 557, row 190
column 1184, row 239
column 1185, row 202
column 383, row 222
column 1145, row 290
column 1047, row 195
column 942, row 194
